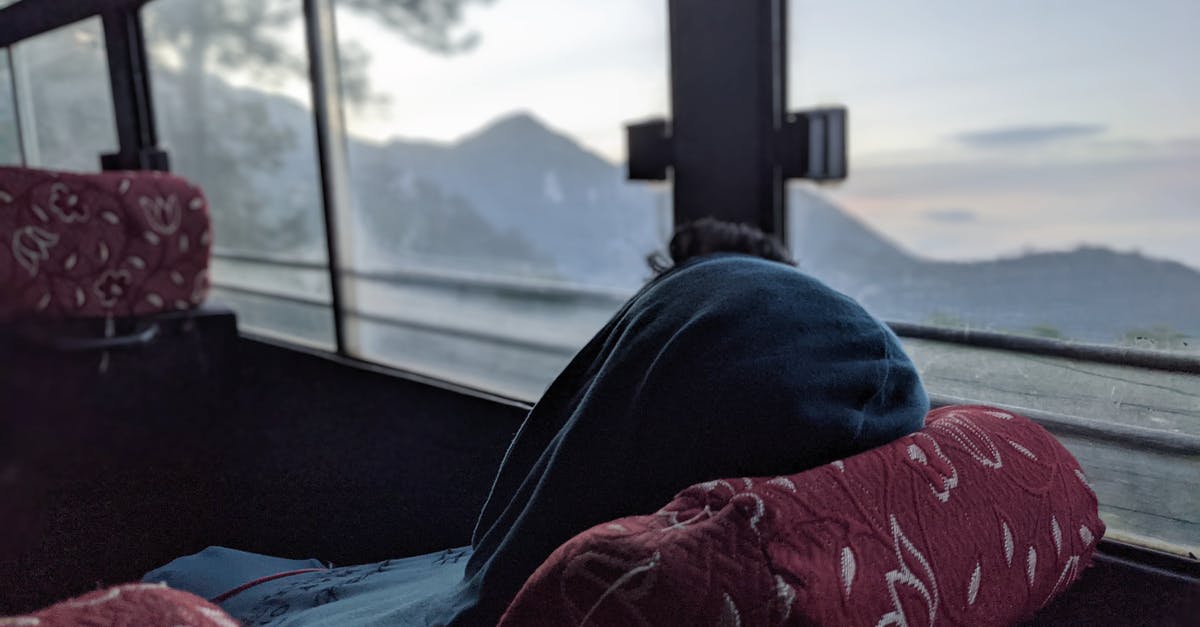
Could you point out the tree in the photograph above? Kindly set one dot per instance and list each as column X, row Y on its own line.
column 238, row 162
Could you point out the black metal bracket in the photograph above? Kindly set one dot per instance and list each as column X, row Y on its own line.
column 132, row 102
column 810, row 145
column 650, row 150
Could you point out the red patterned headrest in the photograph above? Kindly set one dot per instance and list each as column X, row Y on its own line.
column 129, row 604
column 97, row 245
column 981, row 518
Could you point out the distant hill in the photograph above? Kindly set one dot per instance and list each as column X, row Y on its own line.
column 1091, row 293
column 525, row 180
column 516, row 197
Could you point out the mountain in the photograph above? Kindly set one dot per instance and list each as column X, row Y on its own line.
column 519, row 198
column 1091, row 293
column 528, row 181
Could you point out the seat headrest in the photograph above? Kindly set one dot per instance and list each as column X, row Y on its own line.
column 980, row 518
column 98, row 245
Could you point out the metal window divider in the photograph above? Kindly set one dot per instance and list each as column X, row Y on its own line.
column 321, row 37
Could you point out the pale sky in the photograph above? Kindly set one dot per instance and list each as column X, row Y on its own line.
column 977, row 128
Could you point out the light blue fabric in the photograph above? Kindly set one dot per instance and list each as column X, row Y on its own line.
column 348, row 595
column 726, row 366
column 216, row 570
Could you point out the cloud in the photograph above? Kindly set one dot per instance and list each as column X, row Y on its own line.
column 951, row 216
column 1006, row 136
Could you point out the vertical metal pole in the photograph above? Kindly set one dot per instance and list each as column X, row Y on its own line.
column 16, row 103
column 26, row 116
column 129, row 80
column 727, row 96
column 331, row 145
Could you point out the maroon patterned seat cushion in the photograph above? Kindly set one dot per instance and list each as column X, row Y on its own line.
column 98, row 245
column 981, row 518
column 129, row 604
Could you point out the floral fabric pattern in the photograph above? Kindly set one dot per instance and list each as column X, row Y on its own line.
column 981, row 518
column 100, row 245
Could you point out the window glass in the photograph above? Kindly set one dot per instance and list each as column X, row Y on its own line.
column 10, row 147
column 1022, row 171
column 1028, row 172
column 65, row 98
column 234, row 112
column 491, row 228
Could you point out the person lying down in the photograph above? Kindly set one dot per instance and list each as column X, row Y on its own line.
column 730, row 362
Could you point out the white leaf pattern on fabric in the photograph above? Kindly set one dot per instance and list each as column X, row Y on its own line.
column 916, row 454
column 1031, row 565
column 786, row 595
column 943, row 477
column 926, row 588
column 840, row 465
column 5, row 196
column 784, row 482
column 216, row 616
column 849, row 567
column 1056, row 533
column 1085, row 534
column 199, row 286
column 1008, row 543
column 31, row 245
column 1022, row 450
column 40, row 213
column 1083, row 479
column 163, row 214
column 976, row 441
column 730, row 616
column 20, row 621
column 112, row 594
column 1069, row 573
column 973, row 586
column 123, row 186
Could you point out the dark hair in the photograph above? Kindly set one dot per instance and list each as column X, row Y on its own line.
column 709, row 235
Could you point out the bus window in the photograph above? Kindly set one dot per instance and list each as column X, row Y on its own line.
column 1030, row 173
column 10, row 147
column 64, row 98
column 492, row 231
column 233, row 108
